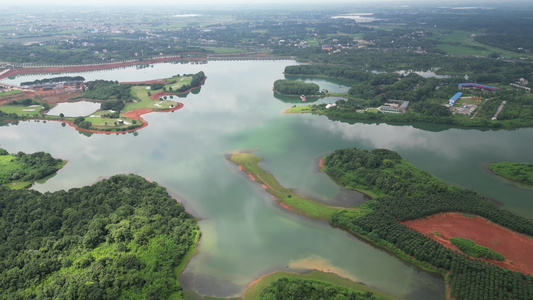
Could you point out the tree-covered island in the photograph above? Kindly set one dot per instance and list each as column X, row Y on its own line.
column 520, row 172
column 403, row 192
column 121, row 238
column 296, row 88
column 21, row 170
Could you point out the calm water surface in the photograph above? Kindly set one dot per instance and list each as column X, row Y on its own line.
column 244, row 233
column 74, row 109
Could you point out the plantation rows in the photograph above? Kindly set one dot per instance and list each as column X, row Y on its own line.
column 468, row 278
column 453, row 200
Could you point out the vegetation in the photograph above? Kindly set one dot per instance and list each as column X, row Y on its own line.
column 467, row 278
column 293, row 201
column 471, row 248
column 103, row 90
column 522, row 172
column 295, row 87
column 28, row 102
column 21, row 170
column 116, row 99
column 196, row 81
column 342, row 72
column 253, row 292
column 427, row 97
column 285, row 288
column 381, row 171
column 54, row 79
column 117, row 239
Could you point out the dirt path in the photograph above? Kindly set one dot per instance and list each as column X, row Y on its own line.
column 514, row 246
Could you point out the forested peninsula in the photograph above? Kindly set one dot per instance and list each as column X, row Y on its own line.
column 427, row 99
column 408, row 194
column 401, row 193
column 521, row 172
column 121, row 238
column 21, row 170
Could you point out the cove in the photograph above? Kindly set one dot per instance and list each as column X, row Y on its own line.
column 244, row 233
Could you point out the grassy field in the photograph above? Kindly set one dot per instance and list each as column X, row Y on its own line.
column 287, row 197
column 21, row 110
column 253, row 291
column 466, row 42
column 144, row 101
column 2, row 94
column 9, row 167
column 468, row 101
column 107, row 122
column 177, row 82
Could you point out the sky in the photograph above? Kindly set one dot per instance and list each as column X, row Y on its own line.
column 249, row 2
column 168, row 2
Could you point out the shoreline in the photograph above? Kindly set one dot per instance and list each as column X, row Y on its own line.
column 131, row 114
column 515, row 182
column 285, row 197
column 138, row 117
column 96, row 67
column 251, row 291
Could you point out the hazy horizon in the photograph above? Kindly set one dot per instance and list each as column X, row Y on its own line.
column 108, row 3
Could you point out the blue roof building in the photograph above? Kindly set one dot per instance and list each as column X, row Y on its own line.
column 455, row 97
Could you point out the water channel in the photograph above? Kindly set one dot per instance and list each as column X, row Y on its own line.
column 244, row 233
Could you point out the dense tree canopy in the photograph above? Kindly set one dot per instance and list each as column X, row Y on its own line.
column 408, row 193
column 22, row 167
column 522, row 172
column 54, row 79
column 117, row 239
column 292, row 289
column 295, row 87
column 103, row 90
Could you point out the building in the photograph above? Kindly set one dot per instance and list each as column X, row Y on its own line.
column 394, row 107
column 521, row 83
column 478, row 86
column 454, row 98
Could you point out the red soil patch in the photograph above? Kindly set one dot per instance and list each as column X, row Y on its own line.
column 514, row 246
column 252, row 177
column 321, row 163
column 286, row 206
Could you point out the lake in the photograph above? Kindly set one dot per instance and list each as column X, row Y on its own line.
column 244, row 233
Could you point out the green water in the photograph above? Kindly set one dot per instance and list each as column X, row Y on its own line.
column 244, row 233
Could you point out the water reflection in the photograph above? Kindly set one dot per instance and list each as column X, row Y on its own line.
column 74, row 109
column 245, row 234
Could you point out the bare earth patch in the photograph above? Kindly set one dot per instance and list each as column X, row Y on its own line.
column 514, row 246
